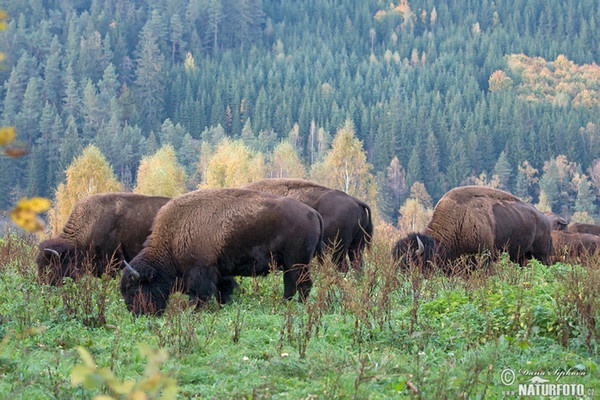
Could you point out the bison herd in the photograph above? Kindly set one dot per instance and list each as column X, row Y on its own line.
column 199, row 242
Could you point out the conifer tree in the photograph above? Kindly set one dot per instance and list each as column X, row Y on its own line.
column 160, row 174
column 585, row 197
column 52, row 84
column 149, row 79
column 504, row 171
column 88, row 174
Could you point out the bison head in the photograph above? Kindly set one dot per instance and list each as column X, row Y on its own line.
column 144, row 289
column 415, row 250
column 57, row 259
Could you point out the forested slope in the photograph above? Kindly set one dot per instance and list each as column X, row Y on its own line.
column 419, row 80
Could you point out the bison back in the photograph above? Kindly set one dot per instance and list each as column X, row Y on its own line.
column 236, row 229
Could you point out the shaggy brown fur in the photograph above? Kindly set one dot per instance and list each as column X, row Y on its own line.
column 557, row 222
column 571, row 246
column 102, row 229
column 348, row 220
column 469, row 220
column 203, row 238
column 592, row 229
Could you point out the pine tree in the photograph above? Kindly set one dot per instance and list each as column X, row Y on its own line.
column 92, row 118
column 52, row 84
column 458, row 164
column 16, row 85
column 413, row 169
column 72, row 99
column 70, row 147
column 504, row 171
column 149, row 80
column 176, row 38
column 160, row 174
column 549, row 187
column 27, row 119
column 585, row 197
column 215, row 17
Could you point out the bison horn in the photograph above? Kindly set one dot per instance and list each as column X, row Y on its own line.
column 421, row 246
column 132, row 271
column 52, row 251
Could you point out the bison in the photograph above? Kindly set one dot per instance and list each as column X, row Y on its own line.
column 470, row 220
column 579, row 227
column 573, row 245
column 102, row 229
column 557, row 223
column 202, row 239
column 348, row 220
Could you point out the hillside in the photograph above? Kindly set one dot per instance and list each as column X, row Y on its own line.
column 413, row 78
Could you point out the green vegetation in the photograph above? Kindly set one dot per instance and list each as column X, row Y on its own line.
column 380, row 334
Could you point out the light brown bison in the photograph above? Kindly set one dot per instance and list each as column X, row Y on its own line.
column 579, row 227
column 200, row 240
column 470, row 220
column 102, row 229
column 348, row 220
column 557, row 223
column 571, row 246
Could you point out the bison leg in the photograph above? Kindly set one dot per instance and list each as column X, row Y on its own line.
column 297, row 279
column 226, row 287
column 201, row 283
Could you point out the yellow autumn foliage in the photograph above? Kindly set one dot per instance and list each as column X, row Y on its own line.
column 285, row 162
column 25, row 214
column 233, row 164
column 414, row 217
column 160, row 174
column 88, row 174
column 345, row 167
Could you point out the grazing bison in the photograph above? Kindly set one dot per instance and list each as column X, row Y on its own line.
column 579, row 227
column 101, row 229
column 200, row 240
column 472, row 219
column 573, row 245
column 348, row 223
column 557, row 223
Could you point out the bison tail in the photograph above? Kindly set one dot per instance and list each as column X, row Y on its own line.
column 366, row 224
column 321, row 244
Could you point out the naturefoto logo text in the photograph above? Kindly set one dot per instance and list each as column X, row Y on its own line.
column 535, row 383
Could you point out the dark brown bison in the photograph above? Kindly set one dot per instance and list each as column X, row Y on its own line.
column 200, row 240
column 348, row 220
column 571, row 246
column 579, row 227
column 471, row 220
column 557, row 223
column 102, row 229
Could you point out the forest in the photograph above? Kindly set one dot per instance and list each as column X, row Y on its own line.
column 437, row 94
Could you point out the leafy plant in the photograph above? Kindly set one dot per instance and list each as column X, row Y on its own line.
column 153, row 383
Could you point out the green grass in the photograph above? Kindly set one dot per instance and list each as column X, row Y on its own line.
column 377, row 335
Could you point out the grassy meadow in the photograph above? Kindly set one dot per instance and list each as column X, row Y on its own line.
column 378, row 334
